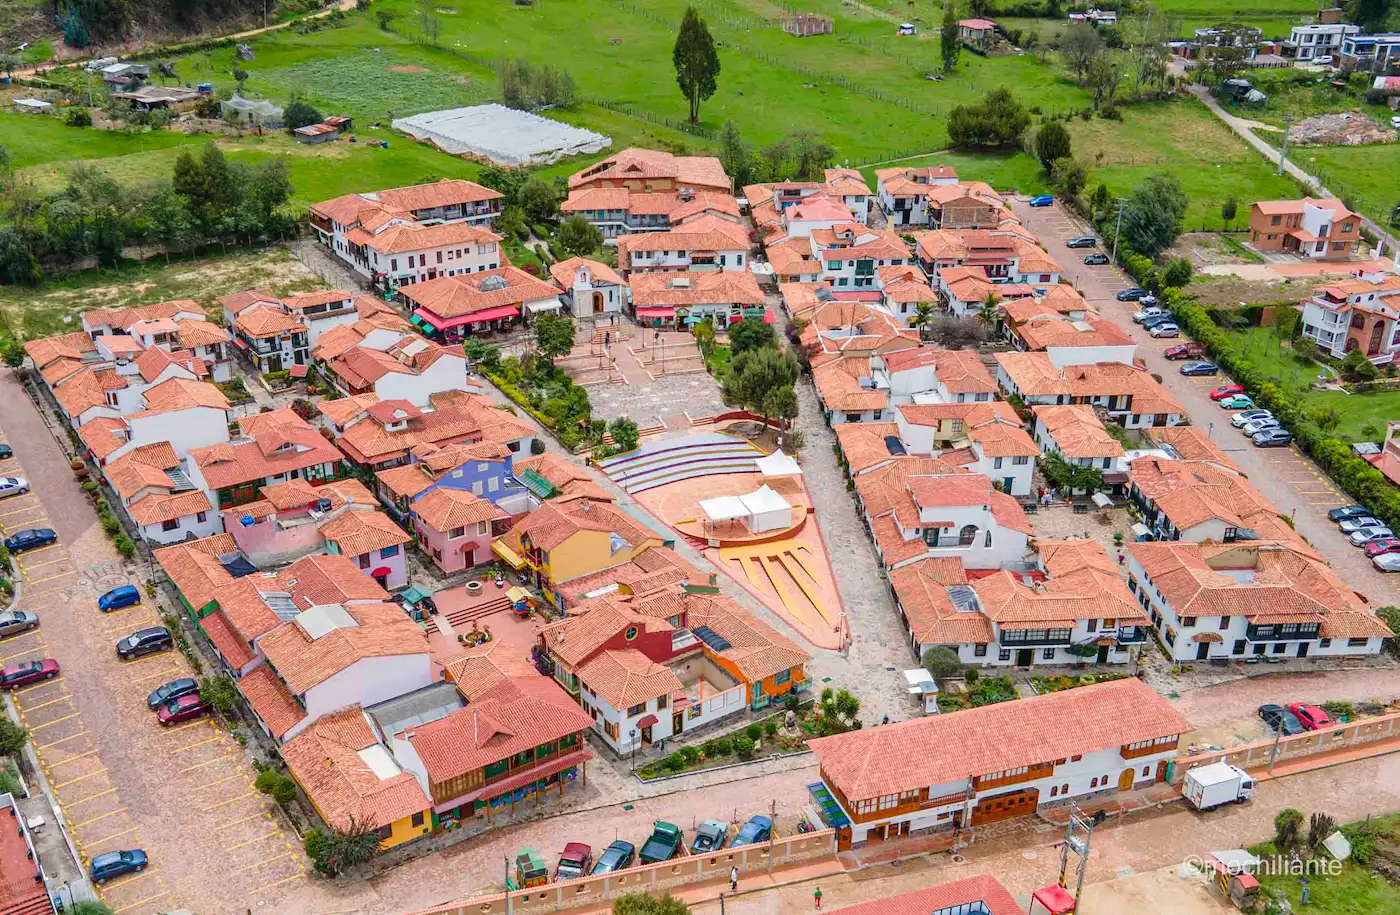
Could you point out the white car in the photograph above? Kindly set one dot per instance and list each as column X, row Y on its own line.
column 13, row 486
column 1259, row 425
column 1367, row 534
column 1165, row 329
column 1395, row 121
column 1240, row 420
column 1324, row 61
column 1151, row 311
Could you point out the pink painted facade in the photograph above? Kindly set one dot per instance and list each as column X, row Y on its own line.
column 388, row 570
column 457, row 549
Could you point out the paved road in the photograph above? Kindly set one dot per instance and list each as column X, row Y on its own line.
column 1293, row 482
column 184, row 794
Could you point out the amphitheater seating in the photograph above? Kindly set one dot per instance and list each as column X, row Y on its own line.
column 658, row 463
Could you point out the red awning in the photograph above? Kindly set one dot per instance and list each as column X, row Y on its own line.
column 381, row 572
column 647, row 721
column 1056, row 899
column 298, row 371
column 569, row 760
column 238, row 342
column 769, row 317
column 658, row 312
column 476, row 317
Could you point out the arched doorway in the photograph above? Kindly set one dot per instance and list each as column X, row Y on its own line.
column 1125, row 780
column 597, row 303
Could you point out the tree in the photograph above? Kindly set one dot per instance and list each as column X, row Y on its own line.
column 1080, row 49
column 1149, row 62
column 924, row 313
column 1177, row 273
column 1320, row 826
column 735, row 155
column 1286, row 825
column 300, row 113
column 332, row 852
column 948, row 41
column 987, row 314
column 220, row 693
column 624, row 434
column 781, row 404
column 812, row 155
column 753, row 374
column 384, row 18
column 1221, row 62
column 578, row 237
column 78, row 116
column 240, row 76
column 12, row 352
column 1229, row 208
column 998, row 120
column 508, row 181
column 1052, row 142
column 13, row 737
column 642, row 904
column 1153, row 213
column 1069, row 176
column 696, row 61
column 942, row 662
column 750, row 334
column 538, row 200
column 837, row 711
column 18, row 265
column 554, row 336
column 1369, row 14
column 1104, row 73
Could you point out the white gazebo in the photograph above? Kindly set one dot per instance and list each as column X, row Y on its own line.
column 778, row 464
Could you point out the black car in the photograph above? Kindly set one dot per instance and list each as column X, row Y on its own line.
column 1281, row 719
column 185, row 686
column 30, row 538
column 1095, row 260
column 1349, row 511
column 1200, row 368
column 6, row 452
column 617, row 856
column 1132, row 294
column 145, row 641
column 1083, row 241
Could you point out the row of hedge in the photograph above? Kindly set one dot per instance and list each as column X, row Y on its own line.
column 1354, row 476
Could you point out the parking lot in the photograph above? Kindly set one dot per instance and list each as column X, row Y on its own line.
column 183, row 794
column 1297, row 488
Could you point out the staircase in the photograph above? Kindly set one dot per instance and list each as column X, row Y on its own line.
column 461, row 620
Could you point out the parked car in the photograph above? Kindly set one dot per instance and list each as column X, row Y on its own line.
column 756, row 830
column 1096, row 259
column 1153, row 320
column 1141, row 315
column 185, row 686
column 13, row 486
column 1237, row 402
column 1082, row 241
column 1166, row 329
column 1148, row 301
column 1352, row 525
column 906, row 28
column 1131, row 294
column 27, row 672
column 1395, row 121
column 1272, row 438
column 1387, row 562
column 1259, row 425
column 574, row 861
column 1381, row 547
column 1184, row 351
column 1347, row 511
column 1240, row 420
column 709, row 836
column 6, row 452
column 1225, row 390
column 1280, row 719
column 663, row 845
column 30, row 538
column 145, row 641
column 115, row 863
column 1043, row 200
column 119, row 597
column 13, row 622
column 1200, row 368
column 1310, row 716
column 1324, row 60
column 181, row 709
column 1370, row 534
column 617, row 856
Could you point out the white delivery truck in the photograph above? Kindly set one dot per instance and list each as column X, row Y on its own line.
column 1216, row 784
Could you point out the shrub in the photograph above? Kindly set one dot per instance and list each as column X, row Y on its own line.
column 78, row 117
column 942, row 662
column 770, row 727
column 13, row 737
column 970, row 675
column 537, row 446
column 743, row 747
column 285, row 791
column 691, row 754
column 1286, row 825
column 754, row 731
column 266, row 781
column 111, row 526
column 124, row 546
column 675, row 762
column 717, row 746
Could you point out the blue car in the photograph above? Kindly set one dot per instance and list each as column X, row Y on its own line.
column 115, row 863
column 756, row 830
column 30, row 539
column 117, row 598
column 1044, row 200
column 616, row 857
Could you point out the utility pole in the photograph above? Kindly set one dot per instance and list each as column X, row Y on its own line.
column 1283, row 150
column 1122, row 201
column 772, row 828
column 1078, row 834
column 1273, row 752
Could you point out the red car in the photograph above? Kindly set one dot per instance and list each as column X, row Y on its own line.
column 1185, row 351
column 1226, row 390
column 17, row 675
column 1379, row 547
column 182, row 709
column 1310, row 716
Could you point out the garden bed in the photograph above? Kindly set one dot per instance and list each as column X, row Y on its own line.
column 758, row 739
column 981, row 691
column 1044, row 685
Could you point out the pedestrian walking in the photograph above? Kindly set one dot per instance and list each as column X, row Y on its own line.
column 817, row 898
column 607, row 338
column 734, row 879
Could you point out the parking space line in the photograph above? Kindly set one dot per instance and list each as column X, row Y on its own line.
column 187, row 724
column 36, row 581
column 92, row 797
column 193, row 745
column 44, row 746
column 56, row 680
column 141, row 902
column 63, row 698
column 275, row 832
column 232, row 800
column 110, row 813
column 268, row 886
column 236, row 822
column 39, row 565
column 208, row 762
column 59, row 762
column 19, row 654
column 36, row 727
column 244, row 870
column 130, row 880
column 161, row 673
column 20, row 511
column 227, row 778
column 163, row 656
column 74, row 781
column 20, row 557
column 114, row 835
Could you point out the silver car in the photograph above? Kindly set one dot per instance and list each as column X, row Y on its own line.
column 1240, row 420
column 1367, row 534
column 13, row 486
column 1259, row 425
column 13, row 622
column 1387, row 562
column 1352, row 525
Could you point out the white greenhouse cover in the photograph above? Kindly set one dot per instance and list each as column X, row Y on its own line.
column 504, row 135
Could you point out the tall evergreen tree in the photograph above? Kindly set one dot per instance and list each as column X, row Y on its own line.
column 697, row 62
column 948, row 37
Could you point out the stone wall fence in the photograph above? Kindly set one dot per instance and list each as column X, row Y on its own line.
column 1257, row 755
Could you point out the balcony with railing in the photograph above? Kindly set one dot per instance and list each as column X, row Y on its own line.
column 1026, row 638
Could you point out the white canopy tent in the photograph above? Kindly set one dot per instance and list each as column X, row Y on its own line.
column 778, row 464
column 725, row 508
column 768, row 511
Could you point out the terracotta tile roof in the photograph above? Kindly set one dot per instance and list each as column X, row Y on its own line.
column 281, row 442
column 82, row 391
column 1035, row 375
column 335, row 341
column 401, row 236
column 950, row 490
column 855, row 240
column 921, row 588
column 588, row 627
column 62, row 346
column 56, row 371
column 103, row 435
column 158, row 507
column 905, row 284
column 1053, row 330
column 264, row 321
column 904, row 182
column 237, row 301
column 1083, row 584
column 553, row 523
column 406, row 480
column 201, row 333
column 756, row 649
column 999, row 438
column 717, row 287
column 271, row 701
column 939, row 749
column 465, row 294
column 626, row 678
column 225, row 640
column 321, row 297
column 704, row 204
column 634, row 164
column 654, row 567
column 945, row 897
column 793, row 257
column 571, row 481
column 886, row 489
column 245, row 609
column 442, row 193
column 1059, row 300
column 360, row 532
column 142, row 467
column 1008, row 513
column 889, row 540
column 361, row 366
column 564, row 272
column 1077, row 431
column 456, row 415
column 1193, row 444
column 176, row 394
column 325, row 760
column 1193, row 492
column 839, row 389
column 865, row 445
column 445, row 509
column 382, row 630
column 324, row 579
column 515, row 714
column 121, row 319
column 194, row 567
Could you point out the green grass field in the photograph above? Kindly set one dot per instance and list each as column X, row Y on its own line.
column 1354, row 891
column 1368, row 177
column 1274, row 17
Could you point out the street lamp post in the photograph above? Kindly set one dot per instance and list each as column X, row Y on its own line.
column 632, row 734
